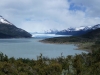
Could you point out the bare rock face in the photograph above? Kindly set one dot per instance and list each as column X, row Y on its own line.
column 8, row 30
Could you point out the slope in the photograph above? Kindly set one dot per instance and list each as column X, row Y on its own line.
column 8, row 30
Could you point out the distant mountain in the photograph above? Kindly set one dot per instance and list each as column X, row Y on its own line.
column 95, row 27
column 78, row 31
column 94, row 34
column 8, row 30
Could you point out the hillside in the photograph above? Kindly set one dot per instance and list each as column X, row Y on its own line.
column 8, row 30
column 95, row 34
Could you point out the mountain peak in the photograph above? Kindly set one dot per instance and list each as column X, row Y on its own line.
column 2, row 20
column 8, row 30
column 96, row 26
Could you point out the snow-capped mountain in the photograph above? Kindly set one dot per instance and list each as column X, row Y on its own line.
column 83, row 28
column 8, row 30
column 79, row 28
column 78, row 31
column 95, row 26
column 2, row 20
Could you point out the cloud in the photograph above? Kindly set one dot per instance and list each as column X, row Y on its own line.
column 40, row 15
column 92, row 6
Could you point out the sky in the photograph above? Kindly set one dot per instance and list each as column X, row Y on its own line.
column 42, row 15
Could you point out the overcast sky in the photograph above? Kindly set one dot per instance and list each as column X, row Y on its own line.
column 40, row 15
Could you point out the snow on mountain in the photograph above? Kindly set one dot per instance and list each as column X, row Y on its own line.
column 2, row 20
column 8, row 30
column 77, row 29
column 80, row 28
column 96, row 26
column 87, row 28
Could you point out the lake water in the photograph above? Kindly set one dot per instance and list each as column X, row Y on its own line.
column 31, row 48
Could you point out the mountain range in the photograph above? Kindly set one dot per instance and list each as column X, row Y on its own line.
column 74, row 31
column 92, row 36
column 9, row 30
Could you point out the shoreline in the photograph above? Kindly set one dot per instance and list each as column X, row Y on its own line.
column 79, row 47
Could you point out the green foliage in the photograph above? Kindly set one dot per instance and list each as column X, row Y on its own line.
column 83, row 64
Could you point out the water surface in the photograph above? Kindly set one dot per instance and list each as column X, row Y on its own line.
column 31, row 48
